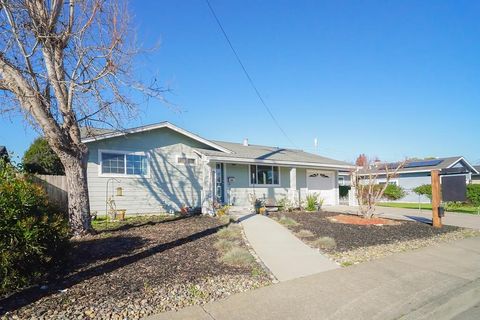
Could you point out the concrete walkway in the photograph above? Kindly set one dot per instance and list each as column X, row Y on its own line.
column 464, row 220
column 441, row 282
column 286, row 256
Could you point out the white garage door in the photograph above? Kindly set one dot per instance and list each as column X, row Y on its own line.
column 323, row 184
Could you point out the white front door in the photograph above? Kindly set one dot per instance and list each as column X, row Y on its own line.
column 322, row 183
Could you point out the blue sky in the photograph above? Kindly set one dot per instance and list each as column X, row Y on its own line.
column 386, row 78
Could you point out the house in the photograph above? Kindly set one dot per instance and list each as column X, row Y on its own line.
column 476, row 176
column 417, row 172
column 162, row 168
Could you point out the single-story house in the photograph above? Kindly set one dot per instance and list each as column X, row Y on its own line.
column 162, row 168
column 418, row 172
column 476, row 176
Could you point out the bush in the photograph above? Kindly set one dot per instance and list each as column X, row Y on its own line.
column 473, row 194
column 288, row 222
column 40, row 158
column 232, row 232
column 394, row 192
column 312, row 202
column 425, row 190
column 343, row 191
column 286, row 205
column 33, row 239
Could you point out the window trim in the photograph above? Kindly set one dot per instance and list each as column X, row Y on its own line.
column 263, row 185
column 186, row 163
column 125, row 153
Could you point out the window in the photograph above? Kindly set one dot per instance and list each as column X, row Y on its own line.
column 186, row 161
column 123, row 163
column 341, row 181
column 264, row 175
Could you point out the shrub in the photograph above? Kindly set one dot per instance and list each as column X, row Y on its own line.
column 238, row 257
column 311, row 202
column 343, row 191
column 394, row 192
column 287, row 222
column 224, row 245
column 325, row 243
column 33, row 239
column 40, row 158
column 473, row 194
column 285, row 204
column 425, row 190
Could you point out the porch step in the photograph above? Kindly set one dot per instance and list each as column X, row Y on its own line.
column 239, row 210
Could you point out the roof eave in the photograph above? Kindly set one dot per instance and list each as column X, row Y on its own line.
column 164, row 124
column 278, row 162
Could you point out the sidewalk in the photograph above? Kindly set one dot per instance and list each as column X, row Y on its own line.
column 286, row 256
column 464, row 220
column 441, row 282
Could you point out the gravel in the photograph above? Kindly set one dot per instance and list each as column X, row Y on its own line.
column 360, row 243
column 135, row 270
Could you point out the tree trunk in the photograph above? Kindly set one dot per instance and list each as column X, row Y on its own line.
column 78, row 201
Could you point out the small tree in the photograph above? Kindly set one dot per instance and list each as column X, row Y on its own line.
column 40, row 158
column 424, row 190
column 367, row 189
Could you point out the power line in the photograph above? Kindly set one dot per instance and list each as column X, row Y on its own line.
column 250, row 80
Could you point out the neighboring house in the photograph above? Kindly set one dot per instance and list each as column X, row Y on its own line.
column 476, row 176
column 417, row 172
column 162, row 168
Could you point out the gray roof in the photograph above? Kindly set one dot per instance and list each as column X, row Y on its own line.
column 88, row 132
column 256, row 152
column 445, row 163
column 478, row 169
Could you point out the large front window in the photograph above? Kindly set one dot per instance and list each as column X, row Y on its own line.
column 123, row 163
column 264, row 175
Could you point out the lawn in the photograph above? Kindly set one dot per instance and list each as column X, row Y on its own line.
column 349, row 243
column 428, row 206
column 142, row 266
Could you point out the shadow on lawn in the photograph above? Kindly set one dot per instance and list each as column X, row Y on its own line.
column 30, row 295
column 138, row 224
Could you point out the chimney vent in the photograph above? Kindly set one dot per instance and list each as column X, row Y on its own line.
column 245, row 142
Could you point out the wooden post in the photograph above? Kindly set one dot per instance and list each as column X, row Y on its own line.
column 436, row 199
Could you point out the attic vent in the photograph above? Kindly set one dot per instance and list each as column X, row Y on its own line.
column 245, row 142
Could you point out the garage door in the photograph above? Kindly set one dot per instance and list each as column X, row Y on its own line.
column 322, row 183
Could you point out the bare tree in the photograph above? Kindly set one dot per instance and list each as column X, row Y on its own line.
column 367, row 189
column 65, row 64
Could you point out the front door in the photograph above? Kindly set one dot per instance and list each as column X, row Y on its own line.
column 219, row 183
column 322, row 183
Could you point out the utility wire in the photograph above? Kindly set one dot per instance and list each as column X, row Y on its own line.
column 250, row 80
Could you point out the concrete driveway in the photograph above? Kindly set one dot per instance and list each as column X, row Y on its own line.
column 441, row 282
column 464, row 220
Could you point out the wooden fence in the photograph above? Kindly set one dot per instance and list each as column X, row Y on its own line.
column 56, row 189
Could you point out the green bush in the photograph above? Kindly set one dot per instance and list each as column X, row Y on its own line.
column 473, row 194
column 33, row 239
column 394, row 192
column 343, row 190
column 424, row 190
column 311, row 202
column 40, row 158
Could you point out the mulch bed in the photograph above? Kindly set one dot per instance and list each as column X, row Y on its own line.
column 135, row 270
column 351, row 236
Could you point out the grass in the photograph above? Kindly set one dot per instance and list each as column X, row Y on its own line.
column 304, row 234
column 102, row 224
column 232, row 232
column 288, row 222
column 427, row 206
column 324, row 243
column 237, row 257
column 224, row 245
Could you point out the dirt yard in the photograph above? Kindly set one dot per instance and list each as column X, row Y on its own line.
column 136, row 268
